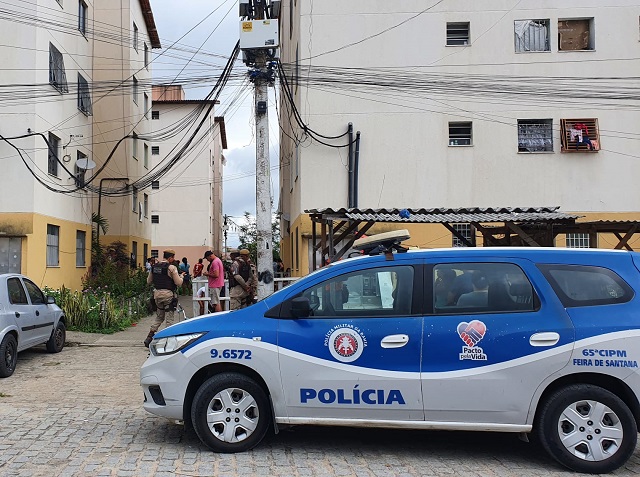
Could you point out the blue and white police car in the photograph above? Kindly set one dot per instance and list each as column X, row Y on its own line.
column 523, row 340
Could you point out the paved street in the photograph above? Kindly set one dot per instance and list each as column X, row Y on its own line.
column 79, row 413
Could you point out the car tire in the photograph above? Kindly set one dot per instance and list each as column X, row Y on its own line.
column 587, row 429
column 230, row 413
column 57, row 339
column 8, row 355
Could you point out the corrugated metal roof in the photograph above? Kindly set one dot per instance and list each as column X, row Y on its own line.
column 442, row 215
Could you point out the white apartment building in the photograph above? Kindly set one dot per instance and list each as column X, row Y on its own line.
column 460, row 104
column 186, row 211
column 122, row 65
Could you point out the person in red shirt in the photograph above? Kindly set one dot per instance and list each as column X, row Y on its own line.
column 197, row 268
column 585, row 136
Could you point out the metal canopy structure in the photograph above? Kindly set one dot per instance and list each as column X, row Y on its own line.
column 526, row 226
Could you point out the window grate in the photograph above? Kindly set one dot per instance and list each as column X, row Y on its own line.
column 81, row 241
column 466, row 230
column 532, row 35
column 535, row 135
column 458, row 34
column 155, row 185
column 53, row 245
column 155, row 219
column 135, row 90
column 57, row 74
column 82, row 17
column 578, row 241
column 460, row 134
column 577, row 133
column 84, row 96
column 54, row 151
column 155, row 114
column 155, row 150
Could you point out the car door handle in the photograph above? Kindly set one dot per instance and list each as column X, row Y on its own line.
column 37, row 313
column 17, row 315
column 394, row 341
column 544, row 339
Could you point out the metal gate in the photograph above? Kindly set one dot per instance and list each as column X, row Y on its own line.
column 10, row 254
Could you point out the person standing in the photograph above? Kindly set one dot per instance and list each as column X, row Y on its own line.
column 197, row 269
column 184, row 267
column 242, row 281
column 215, row 275
column 166, row 279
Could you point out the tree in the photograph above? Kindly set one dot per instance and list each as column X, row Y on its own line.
column 248, row 233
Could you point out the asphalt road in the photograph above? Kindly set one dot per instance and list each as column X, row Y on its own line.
column 79, row 413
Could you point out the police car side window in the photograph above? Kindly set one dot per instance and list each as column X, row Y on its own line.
column 481, row 288
column 578, row 285
column 384, row 291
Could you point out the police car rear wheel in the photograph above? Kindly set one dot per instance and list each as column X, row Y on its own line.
column 230, row 413
column 587, row 428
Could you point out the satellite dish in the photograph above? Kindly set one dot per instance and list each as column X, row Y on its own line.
column 85, row 163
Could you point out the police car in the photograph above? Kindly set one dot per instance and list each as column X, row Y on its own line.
column 541, row 342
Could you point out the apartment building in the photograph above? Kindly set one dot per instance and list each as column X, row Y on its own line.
column 186, row 212
column 460, row 104
column 67, row 65
column 122, row 64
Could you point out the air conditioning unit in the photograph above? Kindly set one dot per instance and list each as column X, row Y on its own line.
column 259, row 34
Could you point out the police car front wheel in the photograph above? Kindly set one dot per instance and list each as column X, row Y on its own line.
column 230, row 413
column 587, row 428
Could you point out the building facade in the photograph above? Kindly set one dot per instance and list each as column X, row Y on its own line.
column 54, row 116
column 459, row 104
column 186, row 212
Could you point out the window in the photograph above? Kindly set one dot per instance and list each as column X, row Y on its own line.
column 481, row 288
column 384, row 291
column 458, row 34
column 82, row 17
column 35, row 294
column 134, row 254
column 296, row 80
column 576, row 35
column 578, row 285
column 135, row 146
column 155, row 150
column 84, row 96
column 155, row 114
column 53, row 245
column 532, row 35
column 297, row 249
column 145, row 161
column 460, row 134
column 146, row 56
column 135, row 90
column 135, row 37
column 290, row 19
column 80, row 171
column 134, row 192
column 145, row 251
column 578, row 241
column 81, row 247
column 467, row 231
column 146, row 207
column 146, row 105
column 57, row 75
column 580, row 135
column 535, row 135
column 155, row 219
column 155, row 253
column 155, row 185
column 17, row 296
column 54, row 153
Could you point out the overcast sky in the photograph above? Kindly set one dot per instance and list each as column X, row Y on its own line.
column 174, row 19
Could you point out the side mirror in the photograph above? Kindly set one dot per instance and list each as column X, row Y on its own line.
column 51, row 300
column 300, row 307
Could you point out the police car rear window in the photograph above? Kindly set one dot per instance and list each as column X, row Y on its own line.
column 579, row 285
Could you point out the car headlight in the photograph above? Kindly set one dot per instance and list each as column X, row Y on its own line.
column 172, row 344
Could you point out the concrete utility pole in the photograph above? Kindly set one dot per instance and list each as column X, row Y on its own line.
column 259, row 43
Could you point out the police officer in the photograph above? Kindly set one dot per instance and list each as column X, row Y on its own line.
column 166, row 279
column 242, row 281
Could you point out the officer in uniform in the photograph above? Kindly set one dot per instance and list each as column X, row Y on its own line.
column 242, row 281
column 166, row 279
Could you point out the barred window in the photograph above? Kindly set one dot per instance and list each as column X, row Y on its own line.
column 135, row 37
column 155, row 114
column 79, row 171
column 460, row 134
column 81, row 242
column 155, row 150
column 535, row 135
column 84, row 96
column 146, row 56
column 155, row 185
column 466, row 231
column 54, row 151
column 57, row 75
column 82, row 17
column 578, row 241
column 135, row 90
column 155, row 219
column 53, row 245
column 532, row 35
column 458, row 34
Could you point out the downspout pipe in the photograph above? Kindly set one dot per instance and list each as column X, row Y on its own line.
column 356, row 160
column 350, row 168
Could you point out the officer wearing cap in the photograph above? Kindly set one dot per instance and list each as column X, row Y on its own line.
column 242, row 281
column 166, row 279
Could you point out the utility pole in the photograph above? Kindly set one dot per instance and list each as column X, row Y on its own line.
column 259, row 43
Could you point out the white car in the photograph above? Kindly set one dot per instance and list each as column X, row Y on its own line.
column 27, row 318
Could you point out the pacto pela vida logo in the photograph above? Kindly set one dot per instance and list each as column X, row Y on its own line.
column 472, row 333
column 345, row 342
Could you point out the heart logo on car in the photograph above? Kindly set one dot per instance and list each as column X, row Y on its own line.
column 472, row 333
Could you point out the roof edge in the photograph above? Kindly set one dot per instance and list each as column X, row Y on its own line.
column 150, row 23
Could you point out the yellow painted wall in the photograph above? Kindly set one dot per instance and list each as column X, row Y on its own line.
column 427, row 236
column 33, row 229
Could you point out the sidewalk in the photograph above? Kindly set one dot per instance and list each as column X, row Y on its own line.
column 131, row 337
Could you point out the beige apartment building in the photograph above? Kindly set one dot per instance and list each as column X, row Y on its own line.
column 186, row 212
column 460, row 104
column 69, row 87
